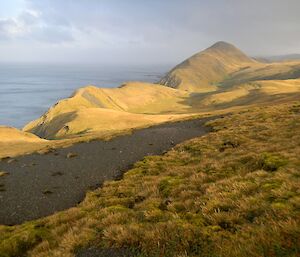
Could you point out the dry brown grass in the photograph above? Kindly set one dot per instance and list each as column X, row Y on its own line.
column 263, row 71
column 3, row 173
column 234, row 192
column 219, row 77
column 11, row 135
column 203, row 71
column 93, row 109
column 14, row 141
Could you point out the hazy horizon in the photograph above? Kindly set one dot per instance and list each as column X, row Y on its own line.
column 133, row 32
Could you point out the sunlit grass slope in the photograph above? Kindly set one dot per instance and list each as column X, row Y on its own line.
column 139, row 97
column 14, row 141
column 9, row 134
column 93, row 109
column 218, row 78
column 262, row 71
column 95, row 120
column 203, row 71
column 234, row 192
column 257, row 92
column 273, row 87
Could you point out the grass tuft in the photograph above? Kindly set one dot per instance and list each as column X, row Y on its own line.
column 271, row 162
column 3, row 173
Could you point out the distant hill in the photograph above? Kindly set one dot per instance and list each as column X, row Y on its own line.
column 91, row 109
column 218, row 79
column 279, row 58
column 204, row 70
column 9, row 134
column 15, row 142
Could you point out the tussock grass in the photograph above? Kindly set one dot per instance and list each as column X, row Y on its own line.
column 234, row 192
column 3, row 173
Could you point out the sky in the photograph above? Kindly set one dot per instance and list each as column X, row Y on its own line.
column 143, row 31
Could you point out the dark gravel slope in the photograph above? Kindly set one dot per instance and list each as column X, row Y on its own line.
column 39, row 185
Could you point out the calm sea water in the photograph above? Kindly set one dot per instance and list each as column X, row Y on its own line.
column 28, row 90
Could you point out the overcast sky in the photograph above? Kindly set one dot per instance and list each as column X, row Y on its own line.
column 143, row 31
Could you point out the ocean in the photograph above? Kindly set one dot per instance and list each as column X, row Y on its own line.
column 28, row 90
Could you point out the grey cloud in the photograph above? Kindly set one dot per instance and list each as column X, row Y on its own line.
column 5, row 27
column 28, row 18
column 31, row 24
column 52, row 35
column 152, row 31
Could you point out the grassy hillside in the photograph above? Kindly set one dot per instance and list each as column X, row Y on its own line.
column 203, row 71
column 247, row 94
column 95, row 120
column 139, row 97
column 224, row 65
column 260, row 71
column 14, row 141
column 218, row 78
column 93, row 109
column 280, row 58
column 234, row 192
column 9, row 134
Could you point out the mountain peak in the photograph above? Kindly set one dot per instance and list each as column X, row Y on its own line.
column 222, row 45
column 202, row 71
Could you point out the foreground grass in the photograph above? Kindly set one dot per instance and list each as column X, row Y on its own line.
column 233, row 192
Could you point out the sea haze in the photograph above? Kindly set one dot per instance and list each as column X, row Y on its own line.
column 28, row 90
